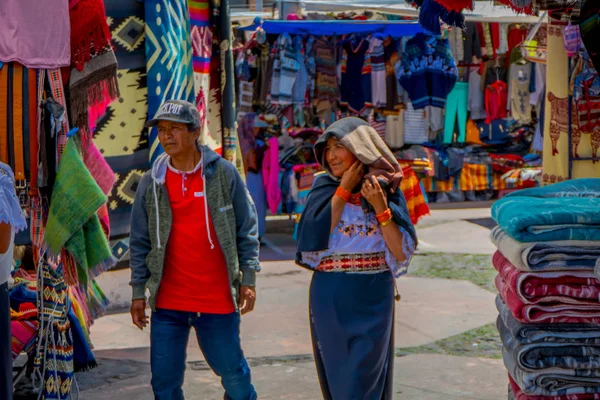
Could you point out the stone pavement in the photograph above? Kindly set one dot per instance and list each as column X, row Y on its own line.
column 276, row 335
column 417, row 377
column 430, row 310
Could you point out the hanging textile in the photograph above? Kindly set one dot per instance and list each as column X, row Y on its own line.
column 231, row 151
column 169, row 58
column 432, row 11
column 58, row 94
column 520, row 6
column 54, row 356
column 201, row 36
column 35, row 34
column 77, row 227
column 93, row 81
column 120, row 135
column 556, row 124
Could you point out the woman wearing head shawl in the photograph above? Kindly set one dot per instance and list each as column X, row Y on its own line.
column 356, row 235
column 12, row 220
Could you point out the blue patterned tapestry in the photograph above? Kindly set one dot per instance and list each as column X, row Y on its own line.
column 168, row 58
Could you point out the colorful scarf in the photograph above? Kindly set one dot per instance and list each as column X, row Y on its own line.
column 58, row 94
column 83, row 358
column 93, row 82
column 98, row 167
column 24, row 328
column 24, row 334
column 76, row 227
column 54, row 357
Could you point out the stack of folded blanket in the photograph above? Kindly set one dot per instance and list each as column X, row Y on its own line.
column 548, row 264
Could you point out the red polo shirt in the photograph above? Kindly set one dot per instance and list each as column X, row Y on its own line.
column 195, row 277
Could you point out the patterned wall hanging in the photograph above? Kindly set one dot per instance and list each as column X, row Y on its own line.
column 168, row 58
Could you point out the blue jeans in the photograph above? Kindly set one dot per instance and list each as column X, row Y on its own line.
column 219, row 340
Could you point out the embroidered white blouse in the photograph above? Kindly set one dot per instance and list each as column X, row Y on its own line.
column 359, row 233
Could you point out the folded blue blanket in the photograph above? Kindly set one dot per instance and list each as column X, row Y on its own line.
column 565, row 211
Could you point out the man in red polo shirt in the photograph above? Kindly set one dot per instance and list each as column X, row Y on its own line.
column 194, row 246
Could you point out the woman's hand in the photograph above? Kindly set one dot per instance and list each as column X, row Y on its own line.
column 352, row 177
column 373, row 193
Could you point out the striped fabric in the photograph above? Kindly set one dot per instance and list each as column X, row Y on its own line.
column 201, row 42
column 415, row 200
column 370, row 262
column 588, row 112
column 24, row 334
column 473, row 177
column 57, row 87
column 416, row 125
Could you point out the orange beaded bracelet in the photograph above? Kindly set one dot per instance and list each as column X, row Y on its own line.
column 343, row 194
column 384, row 216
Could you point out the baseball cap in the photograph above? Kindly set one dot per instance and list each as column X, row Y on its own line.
column 177, row 111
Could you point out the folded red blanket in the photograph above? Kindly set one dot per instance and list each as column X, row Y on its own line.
column 559, row 287
column 552, row 313
column 519, row 395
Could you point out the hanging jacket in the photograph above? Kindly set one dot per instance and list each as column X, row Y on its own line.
column 228, row 204
column 496, row 98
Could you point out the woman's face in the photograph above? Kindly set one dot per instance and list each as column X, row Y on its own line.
column 339, row 158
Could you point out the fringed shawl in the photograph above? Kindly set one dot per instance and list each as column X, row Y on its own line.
column 73, row 221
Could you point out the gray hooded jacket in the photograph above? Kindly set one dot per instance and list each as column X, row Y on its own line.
column 229, row 205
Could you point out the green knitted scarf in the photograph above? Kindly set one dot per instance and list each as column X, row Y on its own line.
column 72, row 219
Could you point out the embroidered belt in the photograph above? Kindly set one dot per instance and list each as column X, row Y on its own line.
column 372, row 262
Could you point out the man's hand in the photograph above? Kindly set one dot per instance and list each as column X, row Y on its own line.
column 247, row 299
column 138, row 313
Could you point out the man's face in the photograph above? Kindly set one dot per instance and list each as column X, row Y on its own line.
column 175, row 137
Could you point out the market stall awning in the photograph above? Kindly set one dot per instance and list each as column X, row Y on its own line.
column 330, row 28
column 483, row 12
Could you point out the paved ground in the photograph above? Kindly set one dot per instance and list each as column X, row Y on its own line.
column 276, row 336
column 422, row 377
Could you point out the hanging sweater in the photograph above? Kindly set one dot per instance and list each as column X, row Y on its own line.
column 428, row 72
column 378, row 74
column 518, row 92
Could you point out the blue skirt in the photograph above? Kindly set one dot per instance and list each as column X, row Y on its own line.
column 352, row 327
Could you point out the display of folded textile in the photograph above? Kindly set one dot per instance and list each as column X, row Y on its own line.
column 475, row 177
column 519, row 395
column 563, row 211
column 538, row 356
column 548, row 264
column 547, row 256
column 523, row 175
column 552, row 381
column 561, row 287
column 504, row 163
